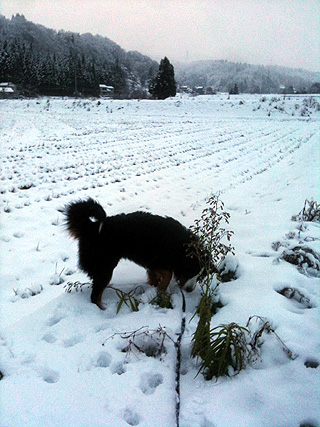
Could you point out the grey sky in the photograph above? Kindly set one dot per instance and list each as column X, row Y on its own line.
column 268, row 32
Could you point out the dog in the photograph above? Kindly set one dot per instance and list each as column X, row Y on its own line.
column 159, row 244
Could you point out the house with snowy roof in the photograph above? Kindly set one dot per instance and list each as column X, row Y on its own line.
column 8, row 90
column 106, row 90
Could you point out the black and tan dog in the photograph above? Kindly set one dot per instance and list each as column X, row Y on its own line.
column 159, row 244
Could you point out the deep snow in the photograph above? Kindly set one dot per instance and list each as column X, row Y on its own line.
column 62, row 358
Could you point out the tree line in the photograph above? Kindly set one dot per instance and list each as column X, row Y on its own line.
column 40, row 60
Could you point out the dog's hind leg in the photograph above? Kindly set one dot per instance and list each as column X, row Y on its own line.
column 160, row 279
column 99, row 284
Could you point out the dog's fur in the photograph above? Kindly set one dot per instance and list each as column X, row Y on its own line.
column 159, row 244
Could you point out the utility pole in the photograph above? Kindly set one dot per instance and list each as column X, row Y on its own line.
column 75, row 79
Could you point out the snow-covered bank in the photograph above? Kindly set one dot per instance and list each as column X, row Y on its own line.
column 61, row 367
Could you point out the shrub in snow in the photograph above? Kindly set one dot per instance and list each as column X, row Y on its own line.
column 28, row 292
column 311, row 363
column 228, row 269
column 295, row 294
column 162, row 300
column 77, row 286
column 306, row 259
column 225, row 349
column 127, row 298
column 311, row 102
column 26, row 186
column 210, row 248
column 56, row 279
column 150, row 342
column 257, row 326
column 305, row 112
column 310, row 212
column 211, row 251
column 301, row 255
column 201, row 337
column 226, row 352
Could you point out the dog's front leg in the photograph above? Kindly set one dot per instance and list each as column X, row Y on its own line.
column 99, row 284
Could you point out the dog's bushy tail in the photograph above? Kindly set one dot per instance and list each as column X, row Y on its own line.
column 84, row 217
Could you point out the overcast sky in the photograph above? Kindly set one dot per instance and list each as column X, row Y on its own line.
column 268, row 32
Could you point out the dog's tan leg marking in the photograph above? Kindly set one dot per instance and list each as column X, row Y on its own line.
column 160, row 279
column 166, row 277
column 99, row 298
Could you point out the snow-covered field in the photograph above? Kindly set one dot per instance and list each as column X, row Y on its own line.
column 62, row 359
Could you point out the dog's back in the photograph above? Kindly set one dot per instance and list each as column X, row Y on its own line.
column 149, row 240
column 159, row 244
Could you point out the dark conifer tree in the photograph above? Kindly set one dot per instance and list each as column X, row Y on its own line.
column 315, row 88
column 164, row 84
column 234, row 90
column 116, row 77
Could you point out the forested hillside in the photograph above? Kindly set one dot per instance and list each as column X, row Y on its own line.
column 45, row 61
column 223, row 75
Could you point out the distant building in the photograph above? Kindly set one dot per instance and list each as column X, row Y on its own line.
column 288, row 90
column 210, row 91
column 199, row 90
column 185, row 89
column 106, row 91
column 8, row 90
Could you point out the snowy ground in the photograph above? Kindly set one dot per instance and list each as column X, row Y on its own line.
column 62, row 363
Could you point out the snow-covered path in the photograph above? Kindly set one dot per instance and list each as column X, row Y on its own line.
column 61, row 367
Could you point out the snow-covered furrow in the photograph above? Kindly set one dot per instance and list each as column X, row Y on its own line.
column 102, row 160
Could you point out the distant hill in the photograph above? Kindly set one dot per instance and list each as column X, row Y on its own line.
column 223, row 75
column 45, row 61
